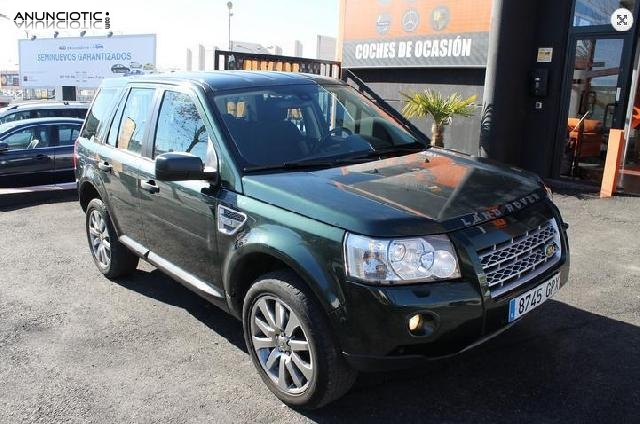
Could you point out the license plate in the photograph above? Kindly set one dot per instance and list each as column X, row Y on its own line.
column 533, row 298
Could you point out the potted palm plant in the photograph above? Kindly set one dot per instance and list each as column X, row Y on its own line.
column 441, row 108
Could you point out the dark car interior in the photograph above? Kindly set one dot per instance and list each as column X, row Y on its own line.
column 272, row 127
column 271, row 136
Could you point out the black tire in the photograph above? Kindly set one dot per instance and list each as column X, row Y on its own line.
column 331, row 377
column 121, row 261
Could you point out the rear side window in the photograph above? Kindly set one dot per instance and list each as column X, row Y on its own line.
column 135, row 119
column 73, row 113
column 47, row 113
column 180, row 127
column 25, row 114
column 98, row 113
column 67, row 134
column 115, row 124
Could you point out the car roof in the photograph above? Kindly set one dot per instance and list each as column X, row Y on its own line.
column 43, row 105
column 226, row 80
column 36, row 121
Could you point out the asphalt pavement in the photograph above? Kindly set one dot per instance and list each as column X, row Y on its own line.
column 78, row 348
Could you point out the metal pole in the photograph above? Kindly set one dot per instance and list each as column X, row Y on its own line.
column 230, row 6
column 487, row 120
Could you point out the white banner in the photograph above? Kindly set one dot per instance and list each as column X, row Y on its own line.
column 84, row 61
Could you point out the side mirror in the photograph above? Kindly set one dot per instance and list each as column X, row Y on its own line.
column 4, row 147
column 178, row 166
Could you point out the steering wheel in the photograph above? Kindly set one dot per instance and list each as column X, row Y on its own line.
column 339, row 131
column 324, row 143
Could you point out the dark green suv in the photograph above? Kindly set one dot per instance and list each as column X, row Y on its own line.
column 316, row 215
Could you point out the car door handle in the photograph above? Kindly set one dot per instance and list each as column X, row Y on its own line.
column 105, row 166
column 150, row 186
column 41, row 157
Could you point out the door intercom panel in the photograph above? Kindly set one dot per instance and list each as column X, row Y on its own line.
column 540, row 82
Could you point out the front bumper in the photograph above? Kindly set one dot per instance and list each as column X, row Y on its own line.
column 390, row 363
column 459, row 319
column 458, row 315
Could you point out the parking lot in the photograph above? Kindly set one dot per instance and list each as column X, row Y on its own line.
column 76, row 347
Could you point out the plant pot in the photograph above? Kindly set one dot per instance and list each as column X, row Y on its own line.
column 437, row 135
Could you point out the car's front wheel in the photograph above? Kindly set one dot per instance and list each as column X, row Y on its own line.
column 111, row 257
column 291, row 344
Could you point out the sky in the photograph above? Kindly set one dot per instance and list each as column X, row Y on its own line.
column 186, row 23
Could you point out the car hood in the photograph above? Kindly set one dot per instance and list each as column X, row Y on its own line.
column 430, row 192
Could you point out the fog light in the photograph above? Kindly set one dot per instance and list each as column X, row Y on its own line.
column 415, row 322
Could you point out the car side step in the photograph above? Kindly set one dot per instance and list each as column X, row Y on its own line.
column 189, row 280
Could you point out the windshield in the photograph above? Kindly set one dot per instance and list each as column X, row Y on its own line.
column 301, row 123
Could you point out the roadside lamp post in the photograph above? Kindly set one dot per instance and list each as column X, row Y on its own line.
column 230, row 6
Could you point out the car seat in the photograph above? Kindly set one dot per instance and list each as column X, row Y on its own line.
column 272, row 139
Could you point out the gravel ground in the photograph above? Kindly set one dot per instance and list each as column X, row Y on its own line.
column 75, row 347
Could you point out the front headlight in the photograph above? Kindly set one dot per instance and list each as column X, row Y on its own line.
column 407, row 260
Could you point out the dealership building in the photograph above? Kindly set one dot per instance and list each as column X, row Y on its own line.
column 552, row 77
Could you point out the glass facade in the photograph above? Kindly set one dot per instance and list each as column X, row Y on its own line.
column 601, row 95
column 598, row 12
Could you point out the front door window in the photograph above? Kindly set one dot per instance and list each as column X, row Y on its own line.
column 180, row 127
column 20, row 139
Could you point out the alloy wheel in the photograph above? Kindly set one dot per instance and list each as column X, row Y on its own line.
column 99, row 237
column 281, row 345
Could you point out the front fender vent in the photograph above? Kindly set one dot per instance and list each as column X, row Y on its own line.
column 230, row 221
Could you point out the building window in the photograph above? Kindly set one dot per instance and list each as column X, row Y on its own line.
column 598, row 12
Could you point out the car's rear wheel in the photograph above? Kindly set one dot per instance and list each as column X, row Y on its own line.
column 111, row 257
column 295, row 355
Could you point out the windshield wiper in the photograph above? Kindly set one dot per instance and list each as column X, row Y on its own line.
column 328, row 163
column 308, row 163
column 392, row 149
column 375, row 98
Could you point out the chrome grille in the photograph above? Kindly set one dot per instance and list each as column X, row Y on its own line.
column 514, row 262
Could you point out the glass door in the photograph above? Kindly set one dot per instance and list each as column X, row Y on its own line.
column 629, row 181
column 595, row 104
